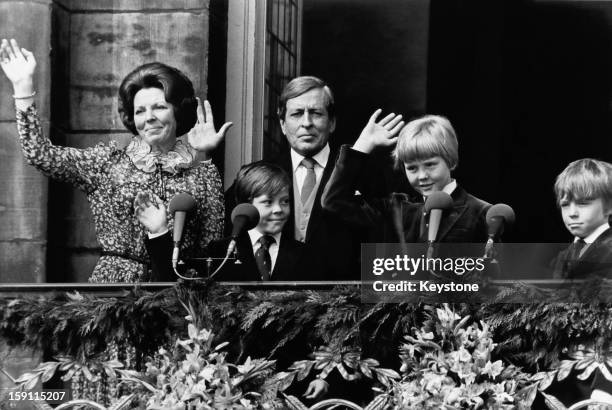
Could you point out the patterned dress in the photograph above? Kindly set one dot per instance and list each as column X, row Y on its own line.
column 112, row 176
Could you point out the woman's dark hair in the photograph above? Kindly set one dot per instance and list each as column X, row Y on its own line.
column 260, row 178
column 177, row 89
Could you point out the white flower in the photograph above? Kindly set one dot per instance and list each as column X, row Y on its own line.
column 207, row 373
column 493, row 369
column 447, row 316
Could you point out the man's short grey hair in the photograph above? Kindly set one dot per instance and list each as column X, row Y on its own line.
column 301, row 85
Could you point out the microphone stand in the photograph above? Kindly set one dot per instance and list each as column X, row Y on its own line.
column 175, row 254
column 208, row 262
column 429, row 254
column 489, row 251
column 430, row 249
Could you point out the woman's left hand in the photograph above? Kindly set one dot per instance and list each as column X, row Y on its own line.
column 203, row 136
column 151, row 213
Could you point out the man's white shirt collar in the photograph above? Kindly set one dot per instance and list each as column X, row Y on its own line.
column 321, row 157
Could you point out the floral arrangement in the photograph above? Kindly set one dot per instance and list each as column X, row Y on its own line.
column 194, row 373
column 197, row 373
column 449, row 364
column 451, row 356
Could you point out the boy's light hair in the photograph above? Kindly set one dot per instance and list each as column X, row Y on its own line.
column 585, row 179
column 426, row 137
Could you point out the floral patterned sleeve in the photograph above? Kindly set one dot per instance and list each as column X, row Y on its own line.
column 80, row 167
column 212, row 209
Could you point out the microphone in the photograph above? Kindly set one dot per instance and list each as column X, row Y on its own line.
column 180, row 205
column 435, row 204
column 244, row 217
column 499, row 218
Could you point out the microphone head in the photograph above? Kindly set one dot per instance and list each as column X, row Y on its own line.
column 501, row 212
column 248, row 213
column 438, row 200
column 182, row 202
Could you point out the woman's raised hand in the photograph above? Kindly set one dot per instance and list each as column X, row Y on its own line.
column 203, row 136
column 18, row 65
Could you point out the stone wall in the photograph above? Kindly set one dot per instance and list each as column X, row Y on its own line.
column 23, row 190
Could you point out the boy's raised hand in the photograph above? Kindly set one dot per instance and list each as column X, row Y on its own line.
column 151, row 212
column 379, row 134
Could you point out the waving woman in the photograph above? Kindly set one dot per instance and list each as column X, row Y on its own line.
column 157, row 104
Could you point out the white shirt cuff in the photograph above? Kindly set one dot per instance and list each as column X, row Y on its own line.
column 156, row 235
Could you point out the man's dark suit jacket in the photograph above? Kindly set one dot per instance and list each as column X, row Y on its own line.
column 290, row 264
column 596, row 261
column 333, row 245
column 398, row 217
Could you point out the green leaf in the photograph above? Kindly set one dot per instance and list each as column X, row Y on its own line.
column 565, row 369
column 124, row 402
column 285, row 380
column 546, row 381
column 590, row 368
column 69, row 374
column 25, row 377
column 392, row 374
column 553, row 403
column 31, row 384
column 141, row 382
column 88, row 375
column 527, row 395
column 365, row 369
column 50, row 371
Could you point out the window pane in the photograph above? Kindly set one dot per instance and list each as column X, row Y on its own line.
column 281, row 66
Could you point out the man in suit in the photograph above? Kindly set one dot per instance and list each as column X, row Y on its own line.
column 307, row 118
column 306, row 113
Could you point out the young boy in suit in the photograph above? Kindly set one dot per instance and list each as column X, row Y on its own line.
column 584, row 196
column 263, row 252
column 427, row 149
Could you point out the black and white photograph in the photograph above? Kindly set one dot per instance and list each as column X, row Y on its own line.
column 305, row 204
